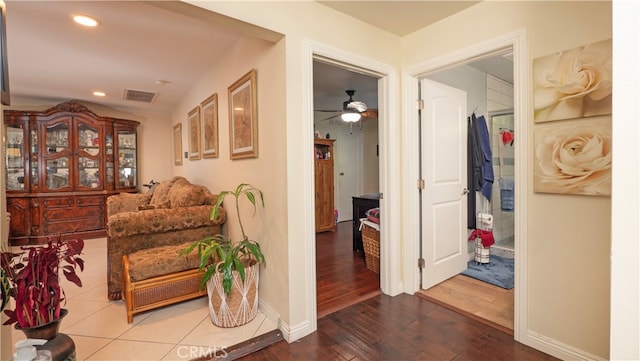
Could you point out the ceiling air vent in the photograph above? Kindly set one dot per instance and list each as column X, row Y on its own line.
column 139, row 95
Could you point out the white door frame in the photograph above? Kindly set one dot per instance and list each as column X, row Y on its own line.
column 410, row 81
column 389, row 173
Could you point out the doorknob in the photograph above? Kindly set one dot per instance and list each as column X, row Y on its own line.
column 465, row 191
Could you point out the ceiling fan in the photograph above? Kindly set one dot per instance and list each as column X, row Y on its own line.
column 352, row 110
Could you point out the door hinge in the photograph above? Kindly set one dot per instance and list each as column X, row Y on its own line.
column 420, row 104
column 421, row 184
column 421, row 263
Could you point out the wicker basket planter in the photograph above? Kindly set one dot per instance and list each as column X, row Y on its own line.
column 238, row 307
column 371, row 243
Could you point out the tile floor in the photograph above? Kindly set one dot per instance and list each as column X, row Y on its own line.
column 100, row 330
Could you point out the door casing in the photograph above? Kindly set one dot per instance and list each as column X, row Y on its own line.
column 410, row 223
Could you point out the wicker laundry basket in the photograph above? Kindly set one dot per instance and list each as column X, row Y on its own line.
column 371, row 243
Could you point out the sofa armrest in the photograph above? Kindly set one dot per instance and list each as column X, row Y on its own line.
column 126, row 202
column 151, row 221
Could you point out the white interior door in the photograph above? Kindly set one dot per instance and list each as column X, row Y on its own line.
column 444, row 168
column 348, row 170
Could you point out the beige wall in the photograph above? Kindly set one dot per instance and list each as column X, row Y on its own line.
column 569, row 236
column 267, row 172
column 309, row 23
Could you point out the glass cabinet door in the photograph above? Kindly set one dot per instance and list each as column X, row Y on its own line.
column 109, row 167
column 127, row 159
column 88, row 164
column 56, row 143
column 15, row 158
column 34, row 158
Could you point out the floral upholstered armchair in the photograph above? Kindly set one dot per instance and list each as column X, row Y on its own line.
column 174, row 212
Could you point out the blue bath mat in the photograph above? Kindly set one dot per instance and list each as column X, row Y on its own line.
column 498, row 272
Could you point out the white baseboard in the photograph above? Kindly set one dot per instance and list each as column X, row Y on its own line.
column 290, row 334
column 556, row 348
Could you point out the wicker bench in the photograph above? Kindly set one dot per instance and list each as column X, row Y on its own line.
column 159, row 277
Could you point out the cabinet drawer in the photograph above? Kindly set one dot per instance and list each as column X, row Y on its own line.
column 57, row 202
column 74, row 226
column 59, row 214
column 89, row 201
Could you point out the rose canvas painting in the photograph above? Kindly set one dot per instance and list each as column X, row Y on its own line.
column 573, row 83
column 573, row 157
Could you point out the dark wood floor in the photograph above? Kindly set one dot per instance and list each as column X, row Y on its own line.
column 356, row 322
column 342, row 278
column 404, row 327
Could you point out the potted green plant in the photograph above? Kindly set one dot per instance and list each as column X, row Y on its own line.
column 231, row 269
column 34, row 279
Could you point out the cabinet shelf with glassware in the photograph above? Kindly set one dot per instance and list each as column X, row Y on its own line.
column 126, row 163
column 67, row 154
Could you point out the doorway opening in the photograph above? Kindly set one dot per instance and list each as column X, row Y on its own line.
column 347, row 153
column 487, row 83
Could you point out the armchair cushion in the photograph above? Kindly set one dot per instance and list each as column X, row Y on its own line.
column 160, row 261
column 161, row 191
column 187, row 195
column 146, row 207
column 160, row 220
column 126, row 202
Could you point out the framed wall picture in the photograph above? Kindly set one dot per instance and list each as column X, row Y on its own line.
column 573, row 157
column 574, row 83
column 243, row 117
column 194, row 133
column 209, row 110
column 177, row 144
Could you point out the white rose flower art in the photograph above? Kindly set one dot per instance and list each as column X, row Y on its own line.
column 574, row 160
column 574, row 83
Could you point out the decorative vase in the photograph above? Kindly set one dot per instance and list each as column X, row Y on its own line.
column 61, row 346
column 238, row 307
column 47, row 331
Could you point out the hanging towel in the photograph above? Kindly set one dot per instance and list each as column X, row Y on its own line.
column 507, row 137
column 506, row 194
column 487, row 165
column 474, row 174
column 486, row 237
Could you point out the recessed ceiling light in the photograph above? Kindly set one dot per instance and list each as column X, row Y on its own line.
column 99, row 93
column 162, row 82
column 85, row 20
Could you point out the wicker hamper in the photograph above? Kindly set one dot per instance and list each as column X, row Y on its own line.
column 371, row 243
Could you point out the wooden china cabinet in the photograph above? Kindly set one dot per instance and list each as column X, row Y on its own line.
column 61, row 165
column 325, row 220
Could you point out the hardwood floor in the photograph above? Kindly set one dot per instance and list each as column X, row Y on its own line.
column 342, row 278
column 356, row 322
column 480, row 300
column 403, row 327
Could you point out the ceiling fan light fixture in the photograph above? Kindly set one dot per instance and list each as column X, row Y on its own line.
column 350, row 117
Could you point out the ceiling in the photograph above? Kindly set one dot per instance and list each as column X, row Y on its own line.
column 399, row 17
column 133, row 48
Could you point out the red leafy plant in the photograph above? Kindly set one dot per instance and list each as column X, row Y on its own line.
column 34, row 277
